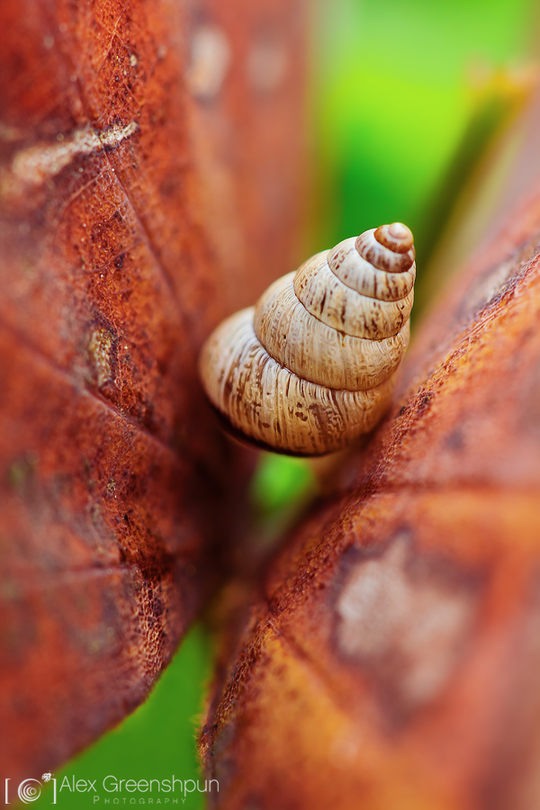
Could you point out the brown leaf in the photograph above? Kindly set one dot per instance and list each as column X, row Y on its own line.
column 149, row 174
column 392, row 662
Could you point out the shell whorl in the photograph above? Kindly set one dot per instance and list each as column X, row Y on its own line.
column 312, row 365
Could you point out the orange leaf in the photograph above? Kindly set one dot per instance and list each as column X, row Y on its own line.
column 149, row 157
column 392, row 661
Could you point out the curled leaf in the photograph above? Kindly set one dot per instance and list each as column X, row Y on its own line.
column 392, row 659
column 138, row 183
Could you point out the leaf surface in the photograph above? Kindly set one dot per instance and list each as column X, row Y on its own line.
column 149, row 182
column 391, row 661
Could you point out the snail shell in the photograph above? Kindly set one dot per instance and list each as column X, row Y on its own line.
column 312, row 366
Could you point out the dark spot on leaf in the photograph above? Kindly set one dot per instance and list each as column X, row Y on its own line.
column 423, row 403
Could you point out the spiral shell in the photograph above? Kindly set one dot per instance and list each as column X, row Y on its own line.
column 312, row 365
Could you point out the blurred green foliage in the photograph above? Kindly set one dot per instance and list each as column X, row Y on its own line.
column 392, row 99
column 394, row 88
column 279, row 481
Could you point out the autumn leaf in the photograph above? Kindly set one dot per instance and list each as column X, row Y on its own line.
column 392, row 659
column 150, row 161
